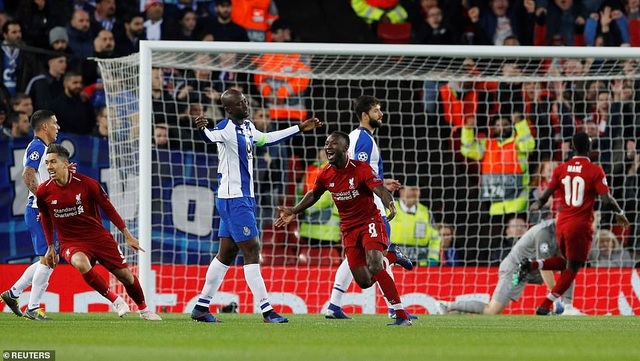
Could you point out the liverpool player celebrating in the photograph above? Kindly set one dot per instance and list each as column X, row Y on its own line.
column 71, row 203
column 352, row 185
column 579, row 182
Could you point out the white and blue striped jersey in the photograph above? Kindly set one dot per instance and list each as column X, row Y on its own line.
column 235, row 153
column 34, row 158
column 364, row 148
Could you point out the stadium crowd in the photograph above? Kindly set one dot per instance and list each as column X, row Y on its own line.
column 471, row 127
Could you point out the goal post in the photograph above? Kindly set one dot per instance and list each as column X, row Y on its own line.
column 173, row 200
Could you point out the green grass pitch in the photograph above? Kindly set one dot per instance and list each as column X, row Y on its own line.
column 102, row 336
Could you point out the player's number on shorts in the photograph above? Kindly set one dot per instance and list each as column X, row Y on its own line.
column 573, row 190
column 372, row 230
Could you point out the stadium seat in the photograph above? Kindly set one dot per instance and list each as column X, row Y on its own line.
column 394, row 33
column 319, row 256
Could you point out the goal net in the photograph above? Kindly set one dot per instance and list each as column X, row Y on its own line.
column 478, row 130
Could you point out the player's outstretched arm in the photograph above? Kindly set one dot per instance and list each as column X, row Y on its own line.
column 608, row 199
column 392, row 185
column 132, row 241
column 387, row 200
column 201, row 122
column 287, row 215
column 544, row 197
column 310, row 124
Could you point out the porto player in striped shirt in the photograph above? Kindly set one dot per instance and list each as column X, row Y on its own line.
column 235, row 138
column 579, row 182
column 352, row 184
column 71, row 203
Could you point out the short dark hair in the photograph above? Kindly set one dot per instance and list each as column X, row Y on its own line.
column 14, row 117
column 58, row 149
column 39, row 117
column 364, row 103
column 342, row 135
column 5, row 27
column 581, row 143
column 17, row 98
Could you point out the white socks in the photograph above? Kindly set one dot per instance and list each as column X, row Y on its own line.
column 341, row 283
column 256, row 283
column 24, row 281
column 39, row 285
column 215, row 275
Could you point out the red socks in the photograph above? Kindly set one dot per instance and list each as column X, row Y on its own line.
column 391, row 257
column 98, row 283
column 561, row 286
column 135, row 292
column 388, row 287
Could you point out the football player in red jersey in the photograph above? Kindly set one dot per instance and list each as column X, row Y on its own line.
column 352, row 184
column 578, row 182
column 71, row 202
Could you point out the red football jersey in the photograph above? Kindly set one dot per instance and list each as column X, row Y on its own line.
column 74, row 209
column 351, row 189
column 578, row 182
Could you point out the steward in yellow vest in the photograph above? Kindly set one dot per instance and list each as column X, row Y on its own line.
column 413, row 228
column 504, row 163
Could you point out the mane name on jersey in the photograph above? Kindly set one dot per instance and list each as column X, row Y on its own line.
column 574, row 168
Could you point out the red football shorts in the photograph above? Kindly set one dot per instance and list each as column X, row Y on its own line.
column 104, row 250
column 358, row 240
column 574, row 240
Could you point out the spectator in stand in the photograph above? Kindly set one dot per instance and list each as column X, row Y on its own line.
column 223, row 28
column 18, row 66
column 21, row 102
column 432, row 30
column 44, row 87
column 281, row 31
column 271, row 171
column 18, row 126
column 161, row 136
column 128, row 41
column 76, row 114
column 610, row 22
column 516, row 228
column 256, row 17
column 632, row 197
column 285, row 95
column 200, row 86
column 202, row 8
column 539, row 182
column 414, row 228
column 493, row 24
column 607, row 252
column 156, row 27
column 103, row 48
column 607, row 117
column 164, row 106
column 319, row 226
column 104, row 16
column 36, row 17
column 448, row 253
column 101, row 129
column 561, row 20
column 186, row 27
column 634, row 22
column 374, row 11
column 4, row 112
column 80, row 34
column 504, row 170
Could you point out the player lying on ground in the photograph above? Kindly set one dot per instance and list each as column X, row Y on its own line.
column 539, row 241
